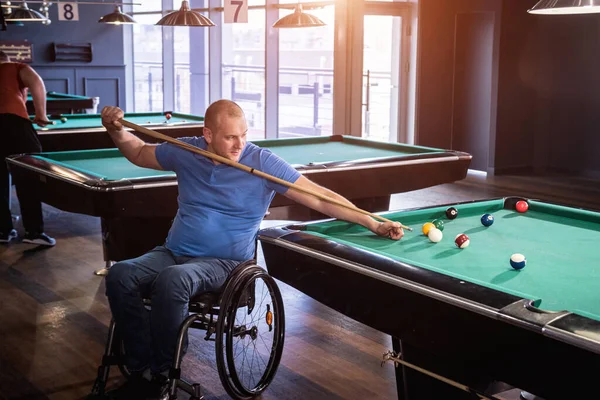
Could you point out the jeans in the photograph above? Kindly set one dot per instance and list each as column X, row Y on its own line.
column 18, row 136
column 150, row 337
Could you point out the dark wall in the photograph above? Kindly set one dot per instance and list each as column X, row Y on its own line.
column 456, row 76
column 518, row 77
column 104, row 77
column 547, row 102
column 549, row 91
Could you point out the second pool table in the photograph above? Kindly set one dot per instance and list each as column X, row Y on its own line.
column 85, row 131
column 62, row 103
column 137, row 205
column 464, row 313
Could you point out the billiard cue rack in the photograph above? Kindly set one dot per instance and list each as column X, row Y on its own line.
column 81, row 52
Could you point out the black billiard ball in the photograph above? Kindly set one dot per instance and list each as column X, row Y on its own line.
column 63, row 119
column 451, row 213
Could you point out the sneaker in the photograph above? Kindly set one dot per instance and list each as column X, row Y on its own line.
column 39, row 238
column 7, row 237
column 135, row 388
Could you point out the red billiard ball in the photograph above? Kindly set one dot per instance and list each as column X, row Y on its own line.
column 168, row 116
column 462, row 241
column 522, row 206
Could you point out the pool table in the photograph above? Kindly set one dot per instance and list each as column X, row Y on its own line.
column 465, row 314
column 137, row 205
column 85, row 131
column 61, row 103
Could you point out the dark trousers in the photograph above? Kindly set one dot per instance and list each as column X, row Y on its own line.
column 17, row 136
column 151, row 337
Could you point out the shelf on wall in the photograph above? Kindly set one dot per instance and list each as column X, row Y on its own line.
column 81, row 52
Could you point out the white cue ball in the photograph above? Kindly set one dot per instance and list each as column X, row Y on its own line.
column 435, row 235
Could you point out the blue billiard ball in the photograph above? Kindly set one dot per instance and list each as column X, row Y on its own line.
column 487, row 219
column 518, row 261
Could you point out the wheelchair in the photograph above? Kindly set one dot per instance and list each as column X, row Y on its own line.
column 237, row 315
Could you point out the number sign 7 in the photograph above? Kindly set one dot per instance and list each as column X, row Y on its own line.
column 239, row 4
column 236, row 11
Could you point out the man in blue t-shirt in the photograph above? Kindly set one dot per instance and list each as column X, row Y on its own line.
column 220, row 211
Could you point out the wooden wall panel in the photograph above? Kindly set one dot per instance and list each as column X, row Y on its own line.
column 472, row 85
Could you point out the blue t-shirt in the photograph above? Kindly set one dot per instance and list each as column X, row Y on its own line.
column 220, row 207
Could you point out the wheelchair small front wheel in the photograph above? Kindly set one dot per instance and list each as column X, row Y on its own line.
column 250, row 333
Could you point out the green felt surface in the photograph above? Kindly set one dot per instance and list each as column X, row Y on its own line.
column 561, row 244
column 305, row 151
column 109, row 164
column 86, row 121
column 53, row 96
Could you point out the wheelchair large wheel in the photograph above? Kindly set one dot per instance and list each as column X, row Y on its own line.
column 250, row 333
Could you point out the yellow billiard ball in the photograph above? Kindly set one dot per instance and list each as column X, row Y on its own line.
column 427, row 227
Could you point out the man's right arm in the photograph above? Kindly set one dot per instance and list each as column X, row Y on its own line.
column 133, row 148
column 36, row 87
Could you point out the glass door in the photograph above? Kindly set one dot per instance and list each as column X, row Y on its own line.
column 381, row 77
column 380, row 71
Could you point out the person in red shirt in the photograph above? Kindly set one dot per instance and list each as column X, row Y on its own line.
column 19, row 136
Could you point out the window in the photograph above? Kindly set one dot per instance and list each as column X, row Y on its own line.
column 243, row 69
column 148, row 63
column 181, row 47
column 306, row 77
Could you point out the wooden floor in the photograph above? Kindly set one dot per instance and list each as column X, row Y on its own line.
column 54, row 314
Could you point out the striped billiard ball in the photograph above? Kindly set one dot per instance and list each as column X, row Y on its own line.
column 462, row 241
column 518, row 261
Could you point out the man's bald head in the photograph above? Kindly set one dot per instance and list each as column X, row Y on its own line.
column 221, row 109
column 4, row 57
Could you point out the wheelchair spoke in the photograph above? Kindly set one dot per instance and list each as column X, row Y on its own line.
column 256, row 359
column 260, row 358
column 260, row 307
column 254, row 321
column 264, row 344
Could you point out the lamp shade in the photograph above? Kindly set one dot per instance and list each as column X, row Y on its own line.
column 117, row 17
column 25, row 14
column 185, row 17
column 298, row 19
column 562, row 7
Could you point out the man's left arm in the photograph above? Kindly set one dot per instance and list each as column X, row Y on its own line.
column 389, row 229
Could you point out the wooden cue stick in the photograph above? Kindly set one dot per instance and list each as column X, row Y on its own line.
column 445, row 380
column 243, row 167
